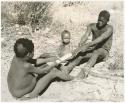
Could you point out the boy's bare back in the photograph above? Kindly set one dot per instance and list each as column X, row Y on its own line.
column 20, row 81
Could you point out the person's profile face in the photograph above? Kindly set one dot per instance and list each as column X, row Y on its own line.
column 102, row 21
column 66, row 38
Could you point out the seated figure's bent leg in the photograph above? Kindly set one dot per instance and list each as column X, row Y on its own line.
column 85, row 58
column 92, row 61
column 84, row 71
column 45, row 80
column 98, row 54
column 41, row 84
column 93, row 58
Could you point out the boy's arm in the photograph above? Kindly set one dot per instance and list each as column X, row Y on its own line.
column 49, row 66
column 85, row 37
column 40, row 61
column 45, row 55
column 104, row 36
column 41, row 70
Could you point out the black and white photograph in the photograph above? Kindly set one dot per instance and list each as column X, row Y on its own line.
column 62, row 51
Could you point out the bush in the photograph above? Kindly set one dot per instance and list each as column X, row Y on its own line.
column 20, row 12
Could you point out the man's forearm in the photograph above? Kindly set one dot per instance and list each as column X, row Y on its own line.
column 85, row 36
column 96, row 41
column 83, row 40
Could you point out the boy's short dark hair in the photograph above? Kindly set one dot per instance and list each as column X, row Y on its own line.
column 64, row 32
column 23, row 46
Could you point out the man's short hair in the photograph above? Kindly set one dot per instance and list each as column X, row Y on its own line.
column 65, row 32
column 105, row 14
column 22, row 47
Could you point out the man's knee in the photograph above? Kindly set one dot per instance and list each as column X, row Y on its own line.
column 80, row 57
column 103, row 54
column 88, row 55
column 95, row 53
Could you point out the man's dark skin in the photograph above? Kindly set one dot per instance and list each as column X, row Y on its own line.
column 98, row 48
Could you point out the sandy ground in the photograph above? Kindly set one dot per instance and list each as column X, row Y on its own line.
column 75, row 19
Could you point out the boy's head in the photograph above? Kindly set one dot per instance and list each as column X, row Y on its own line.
column 65, row 35
column 24, row 48
column 103, row 18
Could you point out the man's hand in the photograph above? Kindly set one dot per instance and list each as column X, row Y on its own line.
column 84, row 48
column 86, row 71
column 80, row 49
column 90, row 48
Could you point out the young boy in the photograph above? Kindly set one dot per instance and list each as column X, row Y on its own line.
column 98, row 49
column 65, row 46
column 21, row 79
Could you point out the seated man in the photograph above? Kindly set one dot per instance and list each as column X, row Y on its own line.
column 98, row 49
column 21, row 79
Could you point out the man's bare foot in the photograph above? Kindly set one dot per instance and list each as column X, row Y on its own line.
column 84, row 73
column 81, row 75
column 63, row 75
column 64, row 69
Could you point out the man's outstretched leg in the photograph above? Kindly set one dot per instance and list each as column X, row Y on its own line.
column 44, row 81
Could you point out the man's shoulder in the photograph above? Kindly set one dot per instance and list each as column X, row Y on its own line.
column 109, row 27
